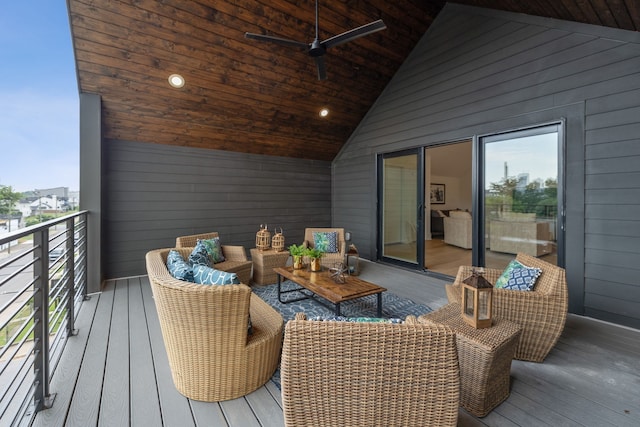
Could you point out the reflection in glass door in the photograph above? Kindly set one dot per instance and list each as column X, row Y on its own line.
column 522, row 195
column 400, row 209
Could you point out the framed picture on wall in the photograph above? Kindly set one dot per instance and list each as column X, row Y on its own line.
column 437, row 194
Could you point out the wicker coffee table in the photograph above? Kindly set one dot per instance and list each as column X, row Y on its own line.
column 485, row 358
column 320, row 284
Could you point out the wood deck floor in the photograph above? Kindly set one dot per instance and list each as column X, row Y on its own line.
column 115, row 371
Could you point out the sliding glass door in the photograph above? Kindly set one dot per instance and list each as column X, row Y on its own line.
column 401, row 208
column 521, row 196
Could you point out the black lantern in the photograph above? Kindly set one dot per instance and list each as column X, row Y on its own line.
column 477, row 295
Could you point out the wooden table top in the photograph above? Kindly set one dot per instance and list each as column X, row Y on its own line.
column 321, row 283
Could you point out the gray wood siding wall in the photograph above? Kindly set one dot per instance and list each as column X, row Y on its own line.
column 477, row 72
column 154, row 193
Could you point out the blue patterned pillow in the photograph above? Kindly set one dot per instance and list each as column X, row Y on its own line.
column 214, row 249
column 327, row 241
column 178, row 267
column 204, row 275
column 522, row 279
column 504, row 277
column 328, row 318
column 174, row 256
column 199, row 255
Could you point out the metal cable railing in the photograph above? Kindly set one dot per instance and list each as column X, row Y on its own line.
column 43, row 282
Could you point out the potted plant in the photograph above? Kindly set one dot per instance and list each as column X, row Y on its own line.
column 314, row 258
column 297, row 253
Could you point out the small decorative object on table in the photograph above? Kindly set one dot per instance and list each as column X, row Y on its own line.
column 263, row 238
column 277, row 241
column 338, row 273
column 477, row 301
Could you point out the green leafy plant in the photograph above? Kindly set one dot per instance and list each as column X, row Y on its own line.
column 297, row 250
column 314, row 253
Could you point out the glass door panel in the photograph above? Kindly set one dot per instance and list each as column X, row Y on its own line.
column 400, row 210
column 520, row 195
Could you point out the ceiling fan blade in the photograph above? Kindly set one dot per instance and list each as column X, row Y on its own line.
column 362, row 31
column 277, row 40
column 322, row 70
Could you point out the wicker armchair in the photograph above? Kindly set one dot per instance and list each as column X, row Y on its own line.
column 541, row 313
column 236, row 260
column 328, row 259
column 369, row 374
column 211, row 355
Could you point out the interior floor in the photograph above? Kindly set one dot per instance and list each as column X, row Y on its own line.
column 445, row 259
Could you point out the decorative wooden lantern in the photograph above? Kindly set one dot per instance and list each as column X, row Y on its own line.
column 263, row 238
column 277, row 241
column 477, row 295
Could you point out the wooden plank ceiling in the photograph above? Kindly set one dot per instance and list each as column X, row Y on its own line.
column 255, row 97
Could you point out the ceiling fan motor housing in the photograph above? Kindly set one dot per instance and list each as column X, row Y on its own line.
column 317, row 49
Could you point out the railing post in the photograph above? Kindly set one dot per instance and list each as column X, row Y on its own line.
column 42, row 398
column 84, row 250
column 71, row 276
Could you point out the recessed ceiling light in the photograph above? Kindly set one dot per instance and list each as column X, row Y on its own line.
column 324, row 112
column 176, row 80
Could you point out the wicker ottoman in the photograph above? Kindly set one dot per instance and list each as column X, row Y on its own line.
column 485, row 358
column 263, row 264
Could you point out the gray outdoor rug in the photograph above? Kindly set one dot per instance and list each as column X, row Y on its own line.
column 393, row 306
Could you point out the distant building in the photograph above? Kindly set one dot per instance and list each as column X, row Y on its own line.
column 9, row 223
column 60, row 192
column 48, row 200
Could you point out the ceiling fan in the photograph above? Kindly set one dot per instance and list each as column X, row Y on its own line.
column 316, row 49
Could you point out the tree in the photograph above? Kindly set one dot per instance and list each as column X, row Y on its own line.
column 8, row 199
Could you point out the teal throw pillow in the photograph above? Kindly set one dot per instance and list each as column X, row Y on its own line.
column 174, row 256
column 327, row 318
column 522, row 279
column 504, row 277
column 178, row 267
column 326, row 241
column 204, row 275
column 214, row 249
column 199, row 255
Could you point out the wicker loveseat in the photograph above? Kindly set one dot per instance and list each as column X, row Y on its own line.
column 211, row 354
column 236, row 260
column 369, row 374
column 541, row 313
column 328, row 259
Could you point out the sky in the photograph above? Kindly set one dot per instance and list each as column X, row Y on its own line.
column 39, row 112
column 535, row 155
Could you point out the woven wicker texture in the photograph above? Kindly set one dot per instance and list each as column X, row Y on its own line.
column 204, row 328
column 369, row 374
column 485, row 358
column 541, row 313
column 235, row 256
column 328, row 260
column 263, row 264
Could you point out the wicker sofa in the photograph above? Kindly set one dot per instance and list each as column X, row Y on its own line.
column 211, row 354
column 457, row 229
column 236, row 260
column 516, row 232
column 369, row 374
column 541, row 313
